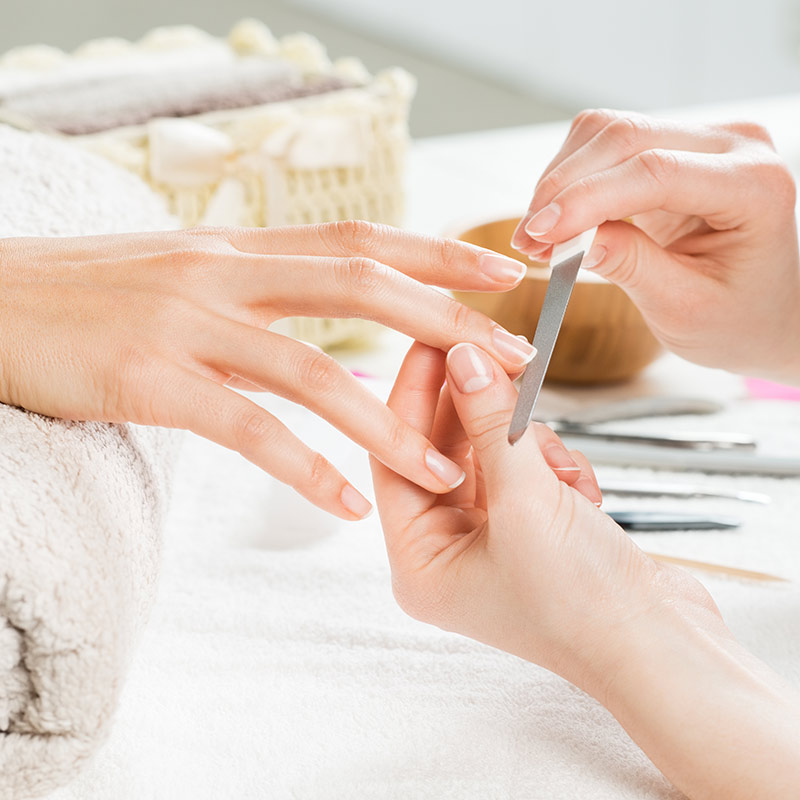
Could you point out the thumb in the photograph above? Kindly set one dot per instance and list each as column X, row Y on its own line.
column 627, row 256
column 484, row 399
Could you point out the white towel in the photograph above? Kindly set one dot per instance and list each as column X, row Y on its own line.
column 275, row 668
column 81, row 505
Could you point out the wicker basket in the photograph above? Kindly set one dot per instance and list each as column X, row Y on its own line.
column 330, row 156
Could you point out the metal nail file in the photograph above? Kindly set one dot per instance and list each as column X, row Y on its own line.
column 565, row 264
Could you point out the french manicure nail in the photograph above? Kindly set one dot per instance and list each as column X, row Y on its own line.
column 520, row 351
column 544, row 221
column 470, row 368
column 500, row 268
column 559, row 459
column 594, row 257
column 355, row 502
column 443, row 469
column 588, row 489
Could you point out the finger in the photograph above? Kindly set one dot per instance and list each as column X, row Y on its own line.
column 587, row 482
column 366, row 289
column 556, row 454
column 625, row 255
column 441, row 262
column 414, row 399
column 717, row 188
column 449, row 437
column 318, row 382
column 608, row 138
column 484, row 398
column 227, row 418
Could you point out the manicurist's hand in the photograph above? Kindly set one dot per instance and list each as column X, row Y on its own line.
column 712, row 257
column 149, row 328
column 520, row 560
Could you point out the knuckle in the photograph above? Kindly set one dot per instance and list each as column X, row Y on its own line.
column 355, row 235
column 593, row 119
column 488, row 427
column 449, row 253
column 553, row 184
column 319, row 472
column 629, row 132
column 360, row 276
column 661, row 165
column 461, row 319
column 397, row 437
column 319, row 373
column 253, row 430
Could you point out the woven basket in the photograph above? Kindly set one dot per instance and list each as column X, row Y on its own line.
column 330, row 156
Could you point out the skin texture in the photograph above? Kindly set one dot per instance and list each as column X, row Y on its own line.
column 519, row 560
column 153, row 328
column 714, row 240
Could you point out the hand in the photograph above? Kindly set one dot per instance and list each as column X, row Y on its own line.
column 519, row 560
column 149, row 328
column 514, row 557
column 712, row 257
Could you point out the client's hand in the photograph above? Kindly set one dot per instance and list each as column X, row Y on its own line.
column 712, row 258
column 513, row 557
column 149, row 328
column 520, row 560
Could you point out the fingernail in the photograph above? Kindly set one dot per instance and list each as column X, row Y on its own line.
column 589, row 490
column 443, row 469
column 560, row 460
column 594, row 257
column 520, row 351
column 518, row 238
column 544, row 221
column 500, row 268
column 470, row 367
column 355, row 502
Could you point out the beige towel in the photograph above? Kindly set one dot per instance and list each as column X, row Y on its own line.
column 81, row 506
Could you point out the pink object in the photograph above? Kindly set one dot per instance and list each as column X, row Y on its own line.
column 766, row 390
column 360, row 374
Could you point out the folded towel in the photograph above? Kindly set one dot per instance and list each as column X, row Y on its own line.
column 81, row 505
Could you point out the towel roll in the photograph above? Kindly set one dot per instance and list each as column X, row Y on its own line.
column 81, row 505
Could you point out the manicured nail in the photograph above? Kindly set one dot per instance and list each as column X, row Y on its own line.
column 544, row 221
column 560, row 460
column 594, row 257
column 519, row 238
column 470, row 368
column 501, row 269
column 355, row 502
column 520, row 351
column 443, row 469
column 588, row 489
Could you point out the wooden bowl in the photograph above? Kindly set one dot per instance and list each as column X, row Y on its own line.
column 603, row 338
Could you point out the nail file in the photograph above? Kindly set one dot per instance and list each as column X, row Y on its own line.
column 565, row 264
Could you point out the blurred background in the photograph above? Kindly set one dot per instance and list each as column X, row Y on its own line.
column 486, row 65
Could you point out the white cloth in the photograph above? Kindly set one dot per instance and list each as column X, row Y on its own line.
column 81, row 506
column 284, row 669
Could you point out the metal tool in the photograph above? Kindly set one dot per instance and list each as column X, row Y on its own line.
column 684, row 439
column 565, row 263
column 671, row 521
column 683, row 490
column 620, row 454
column 638, row 407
